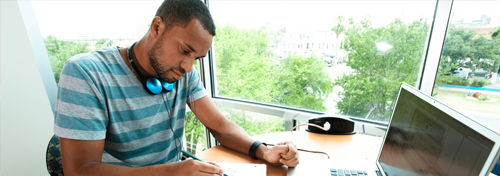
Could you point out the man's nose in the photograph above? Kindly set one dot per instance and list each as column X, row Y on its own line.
column 187, row 65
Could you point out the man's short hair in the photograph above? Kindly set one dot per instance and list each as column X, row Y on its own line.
column 181, row 12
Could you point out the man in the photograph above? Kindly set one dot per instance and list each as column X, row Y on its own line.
column 109, row 124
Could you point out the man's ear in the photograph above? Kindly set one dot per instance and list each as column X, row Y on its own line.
column 157, row 27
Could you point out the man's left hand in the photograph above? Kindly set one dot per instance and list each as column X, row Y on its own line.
column 283, row 153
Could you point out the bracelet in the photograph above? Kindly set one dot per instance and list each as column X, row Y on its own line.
column 253, row 148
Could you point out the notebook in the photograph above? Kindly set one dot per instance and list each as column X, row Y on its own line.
column 240, row 169
column 424, row 137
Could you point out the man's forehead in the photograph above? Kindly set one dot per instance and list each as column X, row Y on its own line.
column 194, row 36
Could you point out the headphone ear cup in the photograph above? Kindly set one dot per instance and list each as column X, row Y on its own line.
column 153, row 86
column 168, row 86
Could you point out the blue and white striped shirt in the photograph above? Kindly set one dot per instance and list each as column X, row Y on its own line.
column 100, row 98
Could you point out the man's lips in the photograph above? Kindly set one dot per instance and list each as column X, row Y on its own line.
column 178, row 74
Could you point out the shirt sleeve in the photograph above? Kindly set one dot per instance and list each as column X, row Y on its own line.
column 195, row 87
column 81, row 111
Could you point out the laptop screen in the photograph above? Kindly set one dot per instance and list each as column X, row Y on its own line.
column 424, row 140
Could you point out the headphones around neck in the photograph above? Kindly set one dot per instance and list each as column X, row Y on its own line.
column 152, row 85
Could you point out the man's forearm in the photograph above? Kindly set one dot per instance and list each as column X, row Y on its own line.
column 232, row 136
column 96, row 168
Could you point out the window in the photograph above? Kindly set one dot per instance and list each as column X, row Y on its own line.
column 467, row 78
column 82, row 32
column 374, row 49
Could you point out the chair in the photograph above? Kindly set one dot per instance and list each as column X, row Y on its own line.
column 54, row 158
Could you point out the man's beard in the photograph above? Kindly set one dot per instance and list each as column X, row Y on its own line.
column 154, row 54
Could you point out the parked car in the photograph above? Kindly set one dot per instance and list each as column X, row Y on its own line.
column 329, row 61
column 464, row 73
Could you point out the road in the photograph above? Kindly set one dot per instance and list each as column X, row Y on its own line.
column 490, row 120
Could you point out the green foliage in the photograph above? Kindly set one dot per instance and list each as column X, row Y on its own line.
column 462, row 44
column 479, row 83
column 483, row 98
column 243, row 63
column 371, row 90
column 302, row 82
column 246, row 69
column 445, row 67
column 193, row 133
column 469, row 93
column 102, row 43
column 495, row 33
column 451, row 80
column 60, row 51
column 340, row 25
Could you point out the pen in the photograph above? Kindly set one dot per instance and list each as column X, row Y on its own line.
column 194, row 157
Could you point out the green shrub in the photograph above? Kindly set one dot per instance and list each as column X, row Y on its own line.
column 479, row 83
column 452, row 80
column 469, row 93
column 483, row 98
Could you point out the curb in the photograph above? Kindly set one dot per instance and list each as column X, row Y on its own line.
column 470, row 88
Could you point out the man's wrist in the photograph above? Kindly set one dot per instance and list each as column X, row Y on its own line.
column 261, row 151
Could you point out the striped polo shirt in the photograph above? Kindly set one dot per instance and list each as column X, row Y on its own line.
column 100, row 98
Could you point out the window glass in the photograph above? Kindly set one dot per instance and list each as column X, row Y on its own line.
column 338, row 57
column 68, row 27
column 68, row 31
column 467, row 77
column 254, row 123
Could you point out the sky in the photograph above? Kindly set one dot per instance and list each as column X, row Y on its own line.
column 62, row 17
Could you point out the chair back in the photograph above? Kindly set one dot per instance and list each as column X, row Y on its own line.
column 54, row 158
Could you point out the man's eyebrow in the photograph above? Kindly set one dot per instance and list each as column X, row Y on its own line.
column 190, row 47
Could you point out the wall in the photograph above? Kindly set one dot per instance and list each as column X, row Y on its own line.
column 26, row 117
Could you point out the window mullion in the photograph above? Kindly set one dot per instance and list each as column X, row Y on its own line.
column 436, row 42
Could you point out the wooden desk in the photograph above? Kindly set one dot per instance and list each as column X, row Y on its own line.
column 355, row 147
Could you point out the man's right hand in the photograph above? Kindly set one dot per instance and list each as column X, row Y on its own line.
column 82, row 157
column 192, row 167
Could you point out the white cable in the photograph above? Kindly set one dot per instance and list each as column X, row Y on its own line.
column 326, row 128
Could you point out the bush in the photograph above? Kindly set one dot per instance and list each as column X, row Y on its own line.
column 479, row 83
column 452, row 80
column 469, row 93
column 483, row 98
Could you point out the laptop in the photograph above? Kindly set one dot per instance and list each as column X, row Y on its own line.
column 424, row 137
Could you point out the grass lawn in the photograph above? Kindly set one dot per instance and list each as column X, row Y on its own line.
column 457, row 100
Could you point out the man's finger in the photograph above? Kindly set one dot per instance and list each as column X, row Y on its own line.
column 291, row 162
column 221, row 169
column 210, row 168
column 292, row 151
column 281, row 150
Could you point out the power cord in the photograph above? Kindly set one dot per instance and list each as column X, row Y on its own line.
column 308, row 151
column 326, row 128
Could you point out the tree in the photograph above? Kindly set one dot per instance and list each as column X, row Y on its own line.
column 466, row 49
column 495, row 33
column 60, row 51
column 339, row 27
column 101, row 43
column 303, row 83
column 193, row 133
column 247, row 69
column 371, row 90
column 243, row 63
column 366, row 21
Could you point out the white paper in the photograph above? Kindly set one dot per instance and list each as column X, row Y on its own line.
column 240, row 169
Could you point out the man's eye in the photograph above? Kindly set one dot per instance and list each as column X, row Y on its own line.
column 184, row 51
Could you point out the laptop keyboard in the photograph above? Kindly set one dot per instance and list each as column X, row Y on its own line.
column 345, row 172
